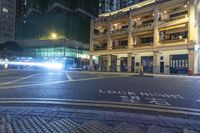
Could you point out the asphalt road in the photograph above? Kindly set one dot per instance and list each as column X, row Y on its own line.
column 172, row 92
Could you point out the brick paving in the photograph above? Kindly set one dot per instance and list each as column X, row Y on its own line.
column 61, row 120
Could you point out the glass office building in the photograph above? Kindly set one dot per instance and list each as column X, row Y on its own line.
column 55, row 28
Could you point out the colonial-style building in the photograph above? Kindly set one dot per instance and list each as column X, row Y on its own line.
column 161, row 35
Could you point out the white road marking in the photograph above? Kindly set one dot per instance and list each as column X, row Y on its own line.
column 4, row 73
column 69, row 77
column 56, row 82
column 13, row 81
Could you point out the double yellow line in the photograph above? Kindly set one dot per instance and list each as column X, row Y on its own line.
column 103, row 104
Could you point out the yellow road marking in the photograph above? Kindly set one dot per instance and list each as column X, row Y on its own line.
column 102, row 102
column 107, row 105
column 13, row 81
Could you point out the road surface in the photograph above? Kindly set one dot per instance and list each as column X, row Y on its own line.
column 175, row 94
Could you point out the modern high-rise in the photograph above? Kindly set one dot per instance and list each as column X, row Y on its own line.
column 55, row 28
column 160, row 36
column 7, row 20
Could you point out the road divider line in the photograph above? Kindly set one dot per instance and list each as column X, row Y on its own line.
column 143, row 108
column 13, row 81
column 69, row 77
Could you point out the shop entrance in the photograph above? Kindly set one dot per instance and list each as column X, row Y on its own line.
column 113, row 63
column 124, row 64
column 103, row 63
column 179, row 64
column 147, row 62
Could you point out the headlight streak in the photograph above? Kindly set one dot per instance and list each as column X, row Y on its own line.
column 48, row 65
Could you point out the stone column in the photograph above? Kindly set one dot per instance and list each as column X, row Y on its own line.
column 130, row 36
column 108, row 63
column 91, row 65
column 193, row 61
column 137, row 62
column 91, row 35
column 109, row 42
column 167, row 64
column 192, row 26
column 156, row 31
column 136, row 40
column 156, row 62
column 118, row 64
column 129, row 62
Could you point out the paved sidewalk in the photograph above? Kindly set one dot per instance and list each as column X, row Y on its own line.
column 145, row 74
column 73, row 120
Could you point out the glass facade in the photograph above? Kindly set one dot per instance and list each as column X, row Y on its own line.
column 54, row 52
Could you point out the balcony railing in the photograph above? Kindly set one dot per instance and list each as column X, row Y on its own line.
column 119, row 47
column 118, row 31
column 173, row 41
column 100, row 34
column 100, row 20
column 176, row 18
column 150, row 44
column 100, row 48
column 143, row 27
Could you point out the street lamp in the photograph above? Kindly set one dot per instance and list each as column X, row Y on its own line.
column 54, row 35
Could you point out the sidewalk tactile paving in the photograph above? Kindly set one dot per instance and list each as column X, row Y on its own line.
column 188, row 131
column 24, row 123
column 94, row 127
column 156, row 129
column 127, row 128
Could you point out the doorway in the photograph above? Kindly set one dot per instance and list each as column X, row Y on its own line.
column 161, row 67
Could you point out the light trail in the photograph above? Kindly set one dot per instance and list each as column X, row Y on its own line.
column 48, row 65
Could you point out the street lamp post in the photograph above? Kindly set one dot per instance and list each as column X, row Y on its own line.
column 54, row 36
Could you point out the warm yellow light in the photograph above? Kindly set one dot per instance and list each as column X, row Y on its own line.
column 165, row 12
column 173, row 27
column 116, row 24
column 54, row 35
column 185, row 6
